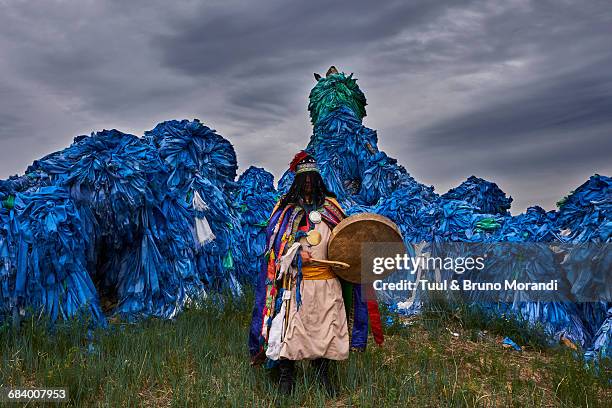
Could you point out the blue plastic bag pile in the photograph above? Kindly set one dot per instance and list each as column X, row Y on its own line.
column 131, row 226
column 254, row 198
column 366, row 179
column 142, row 226
column 486, row 196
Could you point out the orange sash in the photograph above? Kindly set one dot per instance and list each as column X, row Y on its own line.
column 317, row 272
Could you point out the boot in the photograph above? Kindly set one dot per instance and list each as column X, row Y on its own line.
column 287, row 381
column 322, row 372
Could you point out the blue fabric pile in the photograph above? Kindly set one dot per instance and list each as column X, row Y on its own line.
column 584, row 219
column 476, row 211
column 42, row 257
column 602, row 343
column 255, row 198
column 132, row 226
column 584, row 216
column 482, row 194
column 203, row 166
column 534, row 225
column 413, row 209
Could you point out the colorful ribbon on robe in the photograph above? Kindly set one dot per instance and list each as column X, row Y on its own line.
column 298, row 261
column 298, row 282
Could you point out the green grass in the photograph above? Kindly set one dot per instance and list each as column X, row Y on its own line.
column 200, row 359
column 475, row 319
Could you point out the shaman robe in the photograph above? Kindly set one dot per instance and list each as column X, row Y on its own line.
column 281, row 234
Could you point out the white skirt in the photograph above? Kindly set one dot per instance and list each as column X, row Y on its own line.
column 319, row 328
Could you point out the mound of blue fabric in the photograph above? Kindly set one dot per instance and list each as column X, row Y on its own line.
column 366, row 179
column 602, row 343
column 255, row 198
column 352, row 166
column 534, row 225
column 584, row 220
column 204, row 163
column 43, row 259
column 343, row 148
column 191, row 148
column 413, row 208
column 528, row 230
column 382, row 177
column 585, row 215
column 151, row 219
column 482, row 194
column 139, row 230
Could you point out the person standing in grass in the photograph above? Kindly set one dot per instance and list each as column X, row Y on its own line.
column 299, row 311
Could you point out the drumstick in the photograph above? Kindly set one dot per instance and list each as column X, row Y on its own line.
column 335, row 264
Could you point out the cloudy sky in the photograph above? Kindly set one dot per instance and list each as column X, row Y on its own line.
column 517, row 92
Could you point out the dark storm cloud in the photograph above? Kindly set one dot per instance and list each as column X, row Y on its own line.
column 550, row 128
column 516, row 92
column 281, row 35
column 571, row 101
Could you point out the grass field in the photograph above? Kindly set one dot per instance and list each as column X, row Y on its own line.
column 200, row 359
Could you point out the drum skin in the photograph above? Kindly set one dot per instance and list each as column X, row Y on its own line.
column 345, row 242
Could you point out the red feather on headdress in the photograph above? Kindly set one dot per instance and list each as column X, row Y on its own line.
column 298, row 158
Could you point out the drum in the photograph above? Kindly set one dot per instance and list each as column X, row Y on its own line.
column 345, row 243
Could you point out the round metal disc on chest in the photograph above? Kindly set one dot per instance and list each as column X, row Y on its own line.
column 314, row 217
column 313, row 238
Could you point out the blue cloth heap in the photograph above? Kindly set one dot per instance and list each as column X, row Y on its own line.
column 42, row 257
column 484, row 195
column 584, row 219
column 602, row 343
column 203, row 164
column 255, row 198
column 133, row 226
column 366, row 179
column 584, row 216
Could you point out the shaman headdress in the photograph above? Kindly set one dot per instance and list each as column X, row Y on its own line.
column 303, row 162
